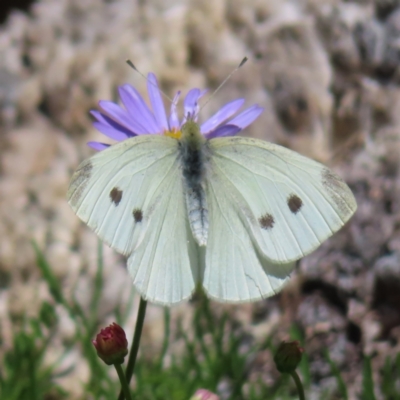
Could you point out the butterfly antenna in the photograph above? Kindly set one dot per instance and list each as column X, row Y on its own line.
column 224, row 81
column 132, row 65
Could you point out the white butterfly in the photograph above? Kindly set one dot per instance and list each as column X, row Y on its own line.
column 190, row 206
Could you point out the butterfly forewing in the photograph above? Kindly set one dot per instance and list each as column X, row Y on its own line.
column 115, row 191
column 291, row 203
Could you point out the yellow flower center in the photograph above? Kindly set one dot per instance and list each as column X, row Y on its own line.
column 176, row 134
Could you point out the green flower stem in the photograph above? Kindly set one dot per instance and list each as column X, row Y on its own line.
column 135, row 344
column 299, row 385
column 124, row 383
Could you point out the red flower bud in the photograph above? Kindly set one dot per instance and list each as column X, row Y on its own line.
column 111, row 344
column 288, row 356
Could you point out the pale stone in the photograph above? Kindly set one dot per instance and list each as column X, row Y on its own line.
column 66, row 55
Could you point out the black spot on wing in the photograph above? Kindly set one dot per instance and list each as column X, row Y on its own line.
column 266, row 221
column 294, row 203
column 137, row 215
column 116, row 195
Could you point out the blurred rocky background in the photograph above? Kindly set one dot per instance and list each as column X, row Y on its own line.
column 327, row 73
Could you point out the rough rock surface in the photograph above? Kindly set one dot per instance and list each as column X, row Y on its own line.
column 328, row 76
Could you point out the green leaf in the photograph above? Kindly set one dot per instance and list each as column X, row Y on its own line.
column 342, row 389
column 367, row 382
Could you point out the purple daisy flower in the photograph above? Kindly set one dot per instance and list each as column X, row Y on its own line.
column 137, row 118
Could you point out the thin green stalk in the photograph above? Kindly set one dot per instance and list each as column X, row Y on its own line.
column 135, row 344
column 167, row 318
column 98, row 287
column 32, row 376
column 299, row 385
column 336, row 373
column 124, row 383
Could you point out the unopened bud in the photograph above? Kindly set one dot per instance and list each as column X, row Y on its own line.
column 288, row 356
column 111, row 344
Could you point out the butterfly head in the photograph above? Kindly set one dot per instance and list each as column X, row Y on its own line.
column 191, row 134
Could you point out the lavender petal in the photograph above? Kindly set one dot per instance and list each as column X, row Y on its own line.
column 138, row 109
column 246, row 117
column 121, row 116
column 191, row 104
column 222, row 115
column 98, row 146
column 173, row 118
column 110, row 128
column 157, row 103
column 224, row 130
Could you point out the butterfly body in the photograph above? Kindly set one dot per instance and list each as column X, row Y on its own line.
column 193, row 149
column 231, row 213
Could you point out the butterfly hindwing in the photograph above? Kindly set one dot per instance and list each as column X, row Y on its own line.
column 164, row 267
column 291, row 203
column 235, row 270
